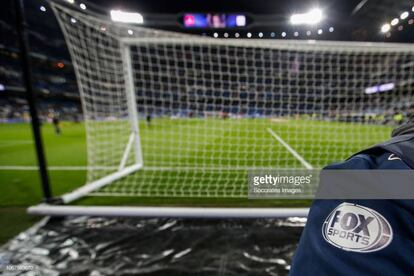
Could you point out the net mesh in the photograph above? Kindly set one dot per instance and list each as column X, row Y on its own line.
column 210, row 110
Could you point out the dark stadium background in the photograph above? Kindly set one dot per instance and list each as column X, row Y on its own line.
column 53, row 72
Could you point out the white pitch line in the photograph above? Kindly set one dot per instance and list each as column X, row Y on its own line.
column 5, row 144
column 51, row 168
column 85, row 168
column 16, row 142
column 291, row 150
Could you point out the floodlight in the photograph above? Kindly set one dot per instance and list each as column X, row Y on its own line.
column 385, row 28
column 404, row 15
column 311, row 17
column 394, row 22
column 126, row 17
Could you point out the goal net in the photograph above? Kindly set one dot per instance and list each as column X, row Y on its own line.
column 171, row 114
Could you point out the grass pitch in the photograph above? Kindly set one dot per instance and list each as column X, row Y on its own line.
column 238, row 143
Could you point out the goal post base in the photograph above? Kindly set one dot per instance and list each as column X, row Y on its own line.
column 166, row 212
column 95, row 185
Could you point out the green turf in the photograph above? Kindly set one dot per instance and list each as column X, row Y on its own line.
column 200, row 144
column 197, row 143
column 17, row 146
column 13, row 220
column 318, row 142
column 20, row 189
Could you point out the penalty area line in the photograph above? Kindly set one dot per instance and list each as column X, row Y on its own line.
column 290, row 149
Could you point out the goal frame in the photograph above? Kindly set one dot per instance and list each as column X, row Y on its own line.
column 134, row 145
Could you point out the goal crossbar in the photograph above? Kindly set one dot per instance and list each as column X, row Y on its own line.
column 303, row 45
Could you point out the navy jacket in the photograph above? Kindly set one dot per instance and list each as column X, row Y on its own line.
column 361, row 237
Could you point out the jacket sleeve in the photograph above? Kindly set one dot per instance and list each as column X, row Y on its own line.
column 358, row 237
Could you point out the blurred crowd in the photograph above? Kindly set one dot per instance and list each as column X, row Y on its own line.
column 53, row 75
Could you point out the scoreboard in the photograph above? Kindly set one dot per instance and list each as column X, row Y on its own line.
column 214, row 20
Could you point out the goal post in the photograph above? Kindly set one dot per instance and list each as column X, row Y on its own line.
column 178, row 115
column 132, row 108
column 132, row 146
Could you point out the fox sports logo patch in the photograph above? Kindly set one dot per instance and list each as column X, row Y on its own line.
column 353, row 227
